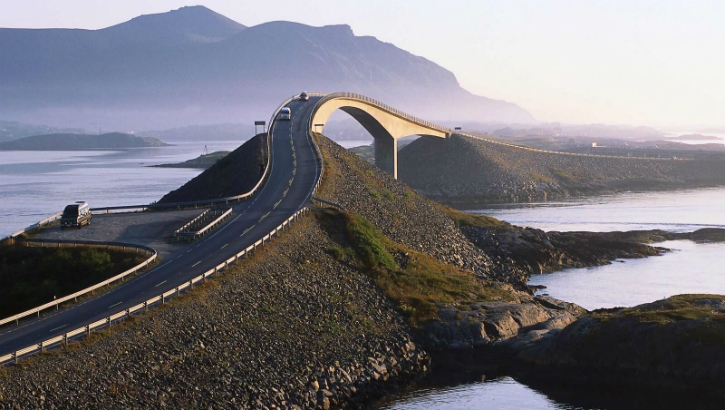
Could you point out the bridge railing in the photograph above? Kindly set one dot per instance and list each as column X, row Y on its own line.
column 384, row 107
column 66, row 243
column 63, row 339
column 576, row 154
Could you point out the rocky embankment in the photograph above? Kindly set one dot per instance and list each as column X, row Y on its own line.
column 234, row 174
column 289, row 328
column 675, row 344
column 468, row 171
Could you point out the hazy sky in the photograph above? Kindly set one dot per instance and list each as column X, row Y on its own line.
column 655, row 63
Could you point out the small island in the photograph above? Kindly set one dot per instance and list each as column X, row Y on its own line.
column 695, row 137
column 203, row 161
column 81, row 142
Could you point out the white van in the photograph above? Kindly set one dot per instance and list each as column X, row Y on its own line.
column 77, row 214
column 284, row 114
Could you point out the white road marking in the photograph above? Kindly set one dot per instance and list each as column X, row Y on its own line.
column 57, row 328
column 160, row 284
column 194, row 265
column 225, row 246
column 115, row 304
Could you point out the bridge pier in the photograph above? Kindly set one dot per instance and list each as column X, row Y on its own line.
column 386, row 155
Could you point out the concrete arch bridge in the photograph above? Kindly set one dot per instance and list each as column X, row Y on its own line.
column 386, row 124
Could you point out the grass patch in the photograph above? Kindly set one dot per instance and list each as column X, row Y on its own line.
column 541, row 178
column 563, row 176
column 476, row 220
column 673, row 309
column 419, row 284
column 32, row 276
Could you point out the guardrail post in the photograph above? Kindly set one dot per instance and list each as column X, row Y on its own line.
column 41, row 347
column 145, row 306
column 88, row 330
column 65, row 340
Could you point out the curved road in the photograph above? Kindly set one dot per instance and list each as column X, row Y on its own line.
column 293, row 176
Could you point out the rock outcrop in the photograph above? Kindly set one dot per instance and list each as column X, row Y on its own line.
column 675, row 344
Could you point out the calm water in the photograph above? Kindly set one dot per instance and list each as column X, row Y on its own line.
column 689, row 268
column 36, row 184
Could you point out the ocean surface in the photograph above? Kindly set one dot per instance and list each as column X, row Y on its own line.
column 688, row 268
column 37, row 184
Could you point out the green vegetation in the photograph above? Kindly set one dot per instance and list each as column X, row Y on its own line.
column 415, row 281
column 563, row 176
column 541, row 178
column 676, row 308
column 32, row 276
column 480, row 221
column 692, row 318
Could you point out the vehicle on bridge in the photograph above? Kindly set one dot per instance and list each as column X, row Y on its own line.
column 285, row 114
column 76, row 215
column 304, row 96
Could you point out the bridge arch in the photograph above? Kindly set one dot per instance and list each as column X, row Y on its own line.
column 386, row 124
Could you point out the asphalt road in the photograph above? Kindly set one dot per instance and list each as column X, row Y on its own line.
column 293, row 176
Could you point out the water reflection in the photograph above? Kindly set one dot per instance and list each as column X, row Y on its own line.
column 446, row 391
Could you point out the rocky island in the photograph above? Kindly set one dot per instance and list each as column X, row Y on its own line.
column 81, row 142
column 203, row 161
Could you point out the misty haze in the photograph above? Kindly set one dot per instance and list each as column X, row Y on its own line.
column 384, row 205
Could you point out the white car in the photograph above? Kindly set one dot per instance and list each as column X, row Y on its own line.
column 285, row 114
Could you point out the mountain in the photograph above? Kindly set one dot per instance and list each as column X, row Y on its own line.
column 194, row 66
column 80, row 142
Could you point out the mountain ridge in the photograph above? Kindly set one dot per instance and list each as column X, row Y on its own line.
column 205, row 68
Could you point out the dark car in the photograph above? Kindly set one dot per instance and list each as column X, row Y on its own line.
column 76, row 215
column 304, row 96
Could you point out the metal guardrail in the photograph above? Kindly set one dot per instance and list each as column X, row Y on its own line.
column 73, row 296
column 159, row 299
column 201, row 232
column 192, row 222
